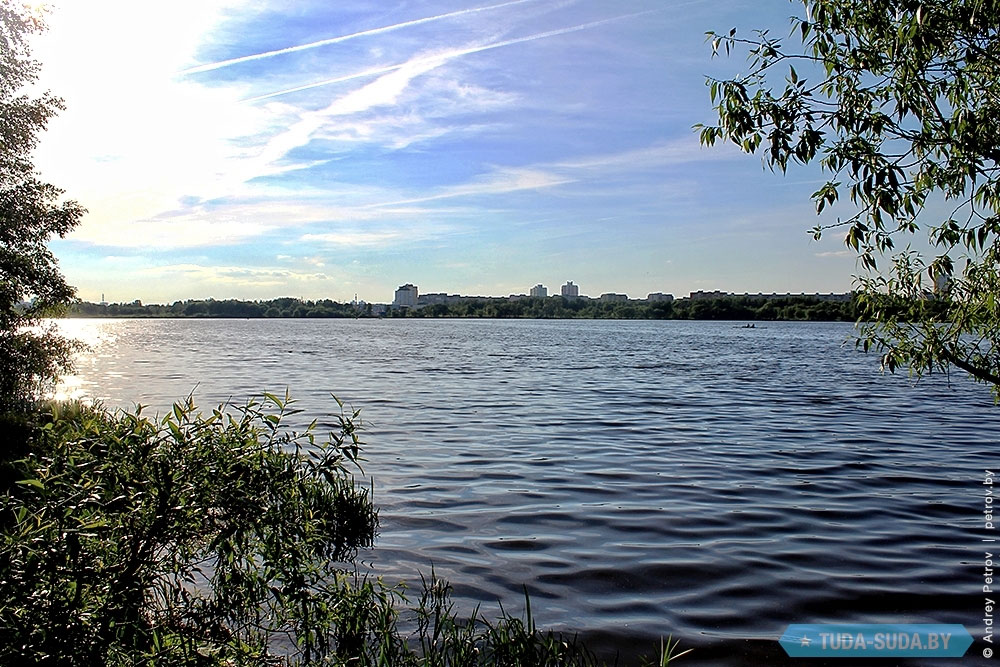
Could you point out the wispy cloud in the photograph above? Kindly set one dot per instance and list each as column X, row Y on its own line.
column 343, row 38
column 438, row 59
column 587, row 171
column 355, row 238
column 216, row 224
column 503, row 180
column 382, row 92
column 661, row 153
column 233, row 275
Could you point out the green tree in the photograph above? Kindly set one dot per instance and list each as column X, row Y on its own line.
column 31, row 212
column 898, row 102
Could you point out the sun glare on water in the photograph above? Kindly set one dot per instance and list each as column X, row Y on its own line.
column 94, row 336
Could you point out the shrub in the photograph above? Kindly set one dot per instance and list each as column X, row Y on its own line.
column 215, row 539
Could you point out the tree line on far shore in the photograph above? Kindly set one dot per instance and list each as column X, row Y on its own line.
column 282, row 307
column 725, row 308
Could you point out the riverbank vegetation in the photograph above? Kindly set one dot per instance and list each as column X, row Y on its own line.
column 727, row 308
column 283, row 307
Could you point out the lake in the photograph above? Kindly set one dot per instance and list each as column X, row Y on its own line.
column 641, row 479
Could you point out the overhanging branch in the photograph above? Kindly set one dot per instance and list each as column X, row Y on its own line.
column 973, row 370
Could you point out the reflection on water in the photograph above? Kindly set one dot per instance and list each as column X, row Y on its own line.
column 640, row 478
column 100, row 341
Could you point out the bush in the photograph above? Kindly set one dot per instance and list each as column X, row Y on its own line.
column 194, row 540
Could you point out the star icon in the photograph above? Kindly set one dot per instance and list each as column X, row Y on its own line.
column 805, row 641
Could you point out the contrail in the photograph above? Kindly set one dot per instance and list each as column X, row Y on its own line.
column 449, row 55
column 343, row 38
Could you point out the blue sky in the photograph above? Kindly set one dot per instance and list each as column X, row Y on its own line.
column 255, row 149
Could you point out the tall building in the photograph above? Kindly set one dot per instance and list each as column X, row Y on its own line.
column 570, row 290
column 539, row 291
column 406, row 296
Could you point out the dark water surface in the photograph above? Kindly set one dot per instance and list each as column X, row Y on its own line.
column 640, row 478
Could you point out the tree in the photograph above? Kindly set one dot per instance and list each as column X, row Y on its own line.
column 898, row 102
column 31, row 212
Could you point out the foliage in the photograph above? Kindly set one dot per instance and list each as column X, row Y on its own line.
column 31, row 212
column 726, row 308
column 193, row 540
column 283, row 307
column 439, row 637
column 898, row 102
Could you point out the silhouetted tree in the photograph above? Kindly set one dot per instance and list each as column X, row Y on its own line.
column 31, row 212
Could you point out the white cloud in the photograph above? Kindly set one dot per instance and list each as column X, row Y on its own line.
column 660, row 154
column 453, row 96
column 233, row 275
column 186, row 232
column 384, row 91
column 355, row 238
column 439, row 58
column 502, row 180
column 343, row 38
column 218, row 223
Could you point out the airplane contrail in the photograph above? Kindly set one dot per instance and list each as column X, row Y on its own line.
column 343, row 38
column 448, row 55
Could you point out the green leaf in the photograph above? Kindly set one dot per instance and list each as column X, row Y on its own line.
column 32, row 482
column 274, row 399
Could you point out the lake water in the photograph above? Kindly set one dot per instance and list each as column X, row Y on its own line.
column 640, row 478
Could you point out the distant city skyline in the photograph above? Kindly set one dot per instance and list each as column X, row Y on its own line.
column 260, row 149
column 409, row 295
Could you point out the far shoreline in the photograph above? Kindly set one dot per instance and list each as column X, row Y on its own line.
column 735, row 309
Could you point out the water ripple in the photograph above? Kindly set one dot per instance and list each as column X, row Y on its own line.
column 639, row 478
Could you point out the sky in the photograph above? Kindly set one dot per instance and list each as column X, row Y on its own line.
column 254, row 149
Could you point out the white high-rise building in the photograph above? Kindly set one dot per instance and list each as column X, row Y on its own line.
column 406, row 296
column 539, row 290
column 570, row 290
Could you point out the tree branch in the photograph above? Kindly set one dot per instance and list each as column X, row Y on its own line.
column 974, row 371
